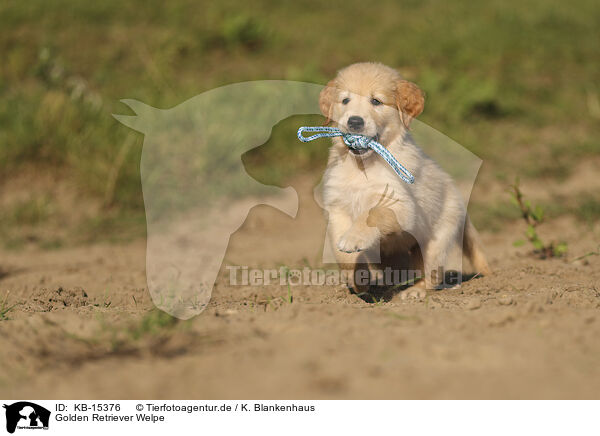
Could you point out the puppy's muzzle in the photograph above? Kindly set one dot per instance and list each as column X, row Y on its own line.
column 356, row 124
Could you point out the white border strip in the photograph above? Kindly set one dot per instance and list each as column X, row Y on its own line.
column 321, row 417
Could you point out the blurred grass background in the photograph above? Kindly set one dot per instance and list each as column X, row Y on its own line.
column 516, row 82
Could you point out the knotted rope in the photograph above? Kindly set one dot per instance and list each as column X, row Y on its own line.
column 358, row 142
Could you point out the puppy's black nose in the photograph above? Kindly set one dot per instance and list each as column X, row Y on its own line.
column 356, row 123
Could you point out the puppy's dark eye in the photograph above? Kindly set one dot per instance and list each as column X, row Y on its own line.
column 346, row 100
column 375, row 102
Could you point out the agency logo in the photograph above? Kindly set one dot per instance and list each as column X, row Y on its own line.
column 26, row 415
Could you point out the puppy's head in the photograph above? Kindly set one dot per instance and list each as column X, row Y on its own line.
column 371, row 99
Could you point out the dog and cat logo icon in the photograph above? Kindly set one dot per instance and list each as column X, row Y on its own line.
column 26, row 415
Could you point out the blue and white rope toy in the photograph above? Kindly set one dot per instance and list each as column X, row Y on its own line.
column 358, row 142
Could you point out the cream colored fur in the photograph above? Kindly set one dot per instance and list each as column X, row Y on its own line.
column 368, row 204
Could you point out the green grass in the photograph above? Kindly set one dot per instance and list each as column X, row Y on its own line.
column 515, row 82
column 588, row 209
column 493, row 216
column 585, row 207
column 588, row 254
column 153, row 323
column 290, row 297
column 31, row 211
column 154, row 333
column 5, row 308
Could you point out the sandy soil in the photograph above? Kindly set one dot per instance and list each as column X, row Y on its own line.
column 81, row 327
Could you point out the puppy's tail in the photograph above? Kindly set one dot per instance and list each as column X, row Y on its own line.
column 472, row 249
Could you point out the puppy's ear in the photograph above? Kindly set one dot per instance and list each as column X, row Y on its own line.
column 326, row 99
column 410, row 101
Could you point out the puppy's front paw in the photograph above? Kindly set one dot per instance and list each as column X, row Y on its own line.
column 416, row 292
column 353, row 240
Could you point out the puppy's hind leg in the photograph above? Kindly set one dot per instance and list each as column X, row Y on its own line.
column 472, row 249
column 435, row 255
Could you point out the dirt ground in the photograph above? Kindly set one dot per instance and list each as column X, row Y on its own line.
column 82, row 325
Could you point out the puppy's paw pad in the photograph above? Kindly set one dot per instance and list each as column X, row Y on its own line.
column 414, row 293
column 352, row 242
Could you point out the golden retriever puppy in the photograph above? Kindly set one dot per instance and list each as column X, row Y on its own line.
column 369, row 206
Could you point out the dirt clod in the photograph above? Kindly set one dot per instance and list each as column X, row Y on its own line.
column 473, row 304
column 46, row 300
